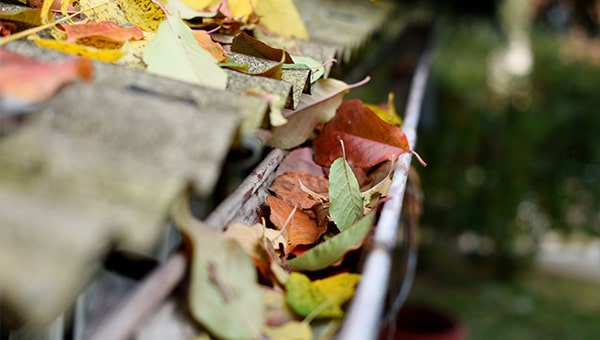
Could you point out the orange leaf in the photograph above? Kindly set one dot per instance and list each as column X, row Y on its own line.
column 301, row 229
column 287, row 186
column 368, row 139
column 206, row 42
column 30, row 81
column 105, row 29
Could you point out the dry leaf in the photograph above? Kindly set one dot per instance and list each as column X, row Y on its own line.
column 288, row 187
column 368, row 139
column 301, row 230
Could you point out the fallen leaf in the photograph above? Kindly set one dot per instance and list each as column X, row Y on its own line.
column 288, row 187
column 107, row 55
column 320, row 107
column 143, row 13
column 224, row 294
column 241, row 9
column 300, row 159
column 379, row 182
column 301, row 230
column 31, row 81
column 244, row 43
column 368, row 139
column 201, row 4
column 387, row 112
column 339, row 287
column 206, row 42
column 257, row 242
column 346, row 204
column 29, row 17
column 250, row 237
column 332, row 251
column 293, row 330
column 317, row 68
column 106, row 29
column 174, row 52
column 102, row 10
column 277, row 311
column 282, row 17
column 305, row 298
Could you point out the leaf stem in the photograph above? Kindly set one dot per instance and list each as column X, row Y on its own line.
column 287, row 221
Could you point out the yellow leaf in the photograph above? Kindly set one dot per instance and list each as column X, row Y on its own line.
column 143, row 13
column 387, row 113
column 241, row 8
column 102, row 10
column 201, row 4
column 293, row 330
column 282, row 17
column 105, row 55
column 339, row 287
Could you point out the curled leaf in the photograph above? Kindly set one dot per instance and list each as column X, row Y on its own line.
column 301, row 230
column 368, row 139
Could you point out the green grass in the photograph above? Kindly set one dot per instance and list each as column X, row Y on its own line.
column 540, row 305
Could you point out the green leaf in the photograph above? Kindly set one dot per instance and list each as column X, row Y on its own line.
column 224, row 294
column 345, row 201
column 305, row 298
column 317, row 68
column 174, row 52
column 333, row 250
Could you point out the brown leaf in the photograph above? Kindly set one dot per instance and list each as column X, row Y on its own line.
column 287, row 186
column 301, row 229
column 368, row 139
column 244, row 43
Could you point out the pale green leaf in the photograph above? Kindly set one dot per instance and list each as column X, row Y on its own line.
column 174, row 52
column 345, row 201
column 317, row 68
column 333, row 250
column 224, row 293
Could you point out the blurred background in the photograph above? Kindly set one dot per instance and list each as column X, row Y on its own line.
column 511, row 131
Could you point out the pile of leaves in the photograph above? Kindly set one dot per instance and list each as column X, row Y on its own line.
column 289, row 275
column 188, row 40
column 294, row 273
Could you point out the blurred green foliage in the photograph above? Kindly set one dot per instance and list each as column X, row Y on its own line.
column 509, row 170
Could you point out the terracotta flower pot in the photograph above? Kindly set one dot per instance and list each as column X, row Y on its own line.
column 425, row 323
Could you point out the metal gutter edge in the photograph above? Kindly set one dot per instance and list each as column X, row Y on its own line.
column 366, row 310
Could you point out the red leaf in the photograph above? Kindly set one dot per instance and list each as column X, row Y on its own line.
column 301, row 229
column 105, row 29
column 287, row 186
column 368, row 139
column 31, row 81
